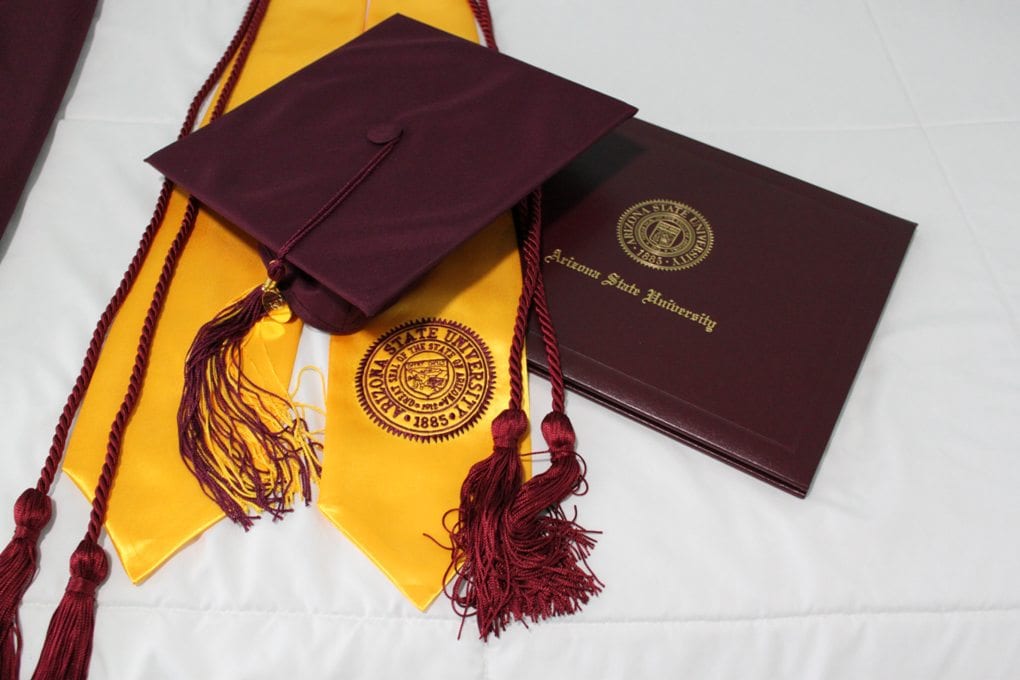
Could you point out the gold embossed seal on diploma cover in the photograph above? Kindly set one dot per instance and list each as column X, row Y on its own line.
column 427, row 380
column 665, row 234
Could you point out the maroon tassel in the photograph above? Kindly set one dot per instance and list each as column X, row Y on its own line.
column 204, row 368
column 242, row 442
column 550, row 550
column 484, row 580
column 518, row 556
column 68, row 644
column 19, row 562
column 515, row 554
column 10, row 654
column 67, row 649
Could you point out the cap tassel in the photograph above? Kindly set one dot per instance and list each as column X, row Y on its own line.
column 67, row 648
column 19, row 562
column 245, row 444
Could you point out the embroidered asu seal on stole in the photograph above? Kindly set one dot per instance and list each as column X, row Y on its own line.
column 427, row 380
column 664, row 234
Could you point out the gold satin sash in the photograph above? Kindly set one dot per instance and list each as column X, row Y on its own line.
column 218, row 264
column 398, row 444
column 391, row 472
column 381, row 489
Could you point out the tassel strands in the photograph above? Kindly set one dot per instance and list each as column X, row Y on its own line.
column 483, row 582
column 67, row 649
column 555, row 577
column 19, row 562
column 244, row 443
column 515, row 554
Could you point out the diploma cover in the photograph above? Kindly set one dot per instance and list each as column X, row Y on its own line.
column 722, row 303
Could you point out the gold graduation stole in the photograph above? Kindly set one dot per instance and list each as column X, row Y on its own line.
column 145, row 533
column 409, row 465
column 411, row 396
column 408, row 411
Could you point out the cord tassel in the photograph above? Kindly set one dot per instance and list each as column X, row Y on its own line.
column 551, row 550
column 245, row 444
column 67, row 648
column 68, row 645
column 483, row 583
column 516, row 556
column 19, row 562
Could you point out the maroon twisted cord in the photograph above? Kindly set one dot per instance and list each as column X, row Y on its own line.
column 276, row 265
column 515, row 555
column 551, row 344
column 531, row 208
column 127, row 281
column 113, row 447
column 534, row 285
column 480, row 8
column 532, row 254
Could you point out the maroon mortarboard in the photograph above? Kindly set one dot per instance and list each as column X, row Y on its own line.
column 362, row 171
column 358, row 175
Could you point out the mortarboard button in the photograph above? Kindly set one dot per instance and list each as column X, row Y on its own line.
column 383, row 133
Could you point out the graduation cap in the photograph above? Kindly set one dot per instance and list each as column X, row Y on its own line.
column 361, row 172
column 356, row 176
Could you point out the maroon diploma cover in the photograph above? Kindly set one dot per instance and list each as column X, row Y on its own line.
column 720, row 302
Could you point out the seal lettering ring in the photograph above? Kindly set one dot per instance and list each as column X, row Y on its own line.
column 664, row 234
column 426, row 380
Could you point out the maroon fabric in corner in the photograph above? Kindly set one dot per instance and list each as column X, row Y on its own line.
column 40, row 41
column 477, row 132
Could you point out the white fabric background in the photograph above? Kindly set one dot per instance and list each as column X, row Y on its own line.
column 901, row 563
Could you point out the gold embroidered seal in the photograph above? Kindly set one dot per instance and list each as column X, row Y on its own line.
column 664, row 234
column 426, row 380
